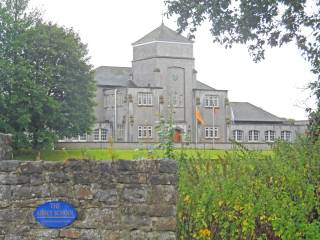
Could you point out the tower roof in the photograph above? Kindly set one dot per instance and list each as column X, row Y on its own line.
column 163, row 33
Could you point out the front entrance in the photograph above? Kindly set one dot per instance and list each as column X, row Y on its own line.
column 177, row 136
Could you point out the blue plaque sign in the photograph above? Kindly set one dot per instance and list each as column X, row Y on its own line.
column 55, row 214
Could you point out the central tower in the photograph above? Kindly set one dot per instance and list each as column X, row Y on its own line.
column 164, row 59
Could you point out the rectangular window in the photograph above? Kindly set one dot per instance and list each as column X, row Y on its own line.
column 83, row 137
column 253, row 136
column 209, row 133
column 269, row 136
column 286, row 136
column 238, row 135
column 145, row 99
column 144, row 131
column 96, row 135
column 211, row 100
column 104, row 134
column 140, row 132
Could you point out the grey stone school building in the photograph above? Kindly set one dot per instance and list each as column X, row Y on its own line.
column 163, row 82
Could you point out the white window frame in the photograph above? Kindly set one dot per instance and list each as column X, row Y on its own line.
column 96, row 133
column 145, row 132
column 269, row 136
column 211, row 101
column 103, row 134
column 209, row 133
column 286, row 135
column 145, row 99
column 238, row 135
column 253, row 136
column 83, row 137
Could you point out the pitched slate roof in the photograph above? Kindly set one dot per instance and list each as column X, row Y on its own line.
column 244, row 111
column 162, row 33
column 113, row 76
column 202, row 86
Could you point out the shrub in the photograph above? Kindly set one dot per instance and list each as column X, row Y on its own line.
column 247, row 195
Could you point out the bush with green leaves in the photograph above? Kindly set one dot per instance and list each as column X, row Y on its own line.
column 165, row 130
column 247, row 195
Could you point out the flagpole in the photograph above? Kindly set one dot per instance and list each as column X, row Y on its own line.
column 196, row 129
column 213, row 130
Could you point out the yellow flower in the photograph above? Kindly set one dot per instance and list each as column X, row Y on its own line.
column 186, row 199
column 204, row 232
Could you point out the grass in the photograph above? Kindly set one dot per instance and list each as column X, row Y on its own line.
column 108, row 154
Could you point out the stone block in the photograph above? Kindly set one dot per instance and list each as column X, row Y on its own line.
column 167, row 236
column 57, row 177
column 97, row 218
column 162, row 210
column 5, row 193
column 138, row 235
column 83, row 192
column 70, row 233
column 164, row 223
column 44, row 234
column 90, row 234
column 13, row 179
column 135, row 178
column 168, row 166
column 9, row 165
column 36, row 179
column 31, row 167
column 110, row 235
column 83, row 178
column 61, row 190
column 164, row 179
column 163, row 193
column 135, row 194
column 109, row 196
column 135, row 222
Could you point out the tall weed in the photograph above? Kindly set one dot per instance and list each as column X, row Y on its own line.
column 247, row 195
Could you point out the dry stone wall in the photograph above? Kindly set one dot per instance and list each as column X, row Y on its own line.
column 114, row 199
column 5, row 148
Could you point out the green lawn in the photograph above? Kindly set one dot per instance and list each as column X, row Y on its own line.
column 107, row 154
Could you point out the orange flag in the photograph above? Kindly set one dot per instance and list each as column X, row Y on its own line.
column 199, row 117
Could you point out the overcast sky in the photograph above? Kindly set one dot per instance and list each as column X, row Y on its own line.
column 278, row 84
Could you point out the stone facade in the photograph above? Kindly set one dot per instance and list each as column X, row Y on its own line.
column 5, row 148
column 162, row 82
column 114, row 199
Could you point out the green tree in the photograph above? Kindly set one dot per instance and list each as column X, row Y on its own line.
column 46, row 83
column 259, row 24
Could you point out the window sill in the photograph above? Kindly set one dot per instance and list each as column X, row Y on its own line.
column 212, row 107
